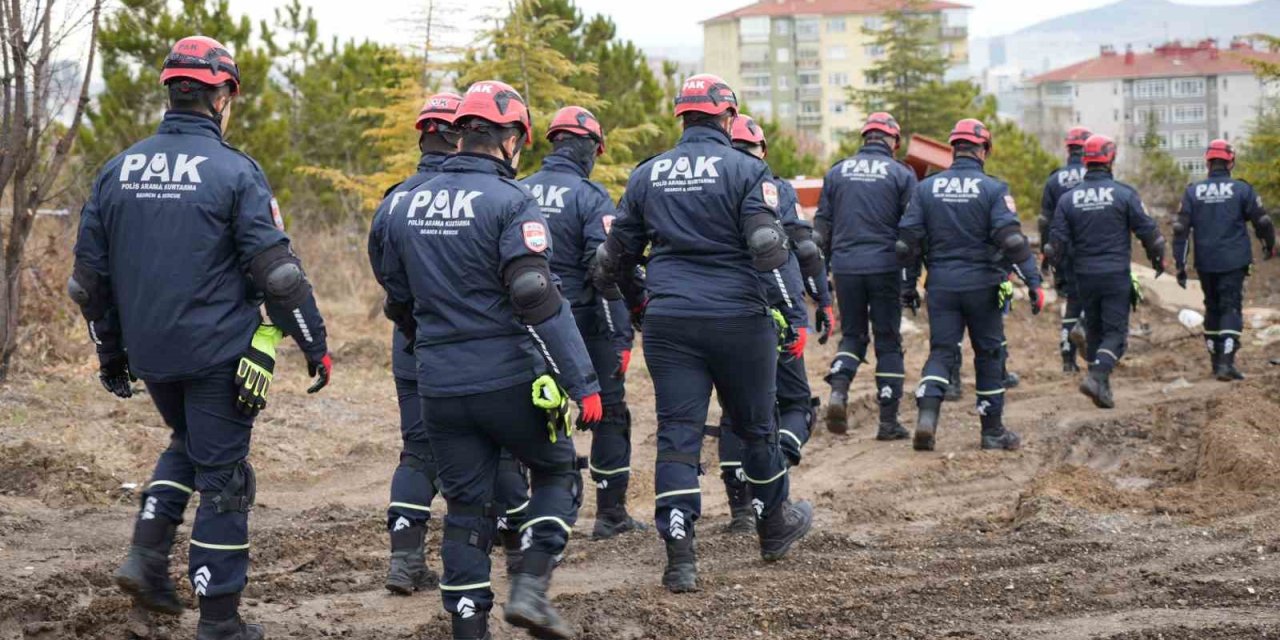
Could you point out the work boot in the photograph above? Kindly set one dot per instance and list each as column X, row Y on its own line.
column 474, row 628
column 783, row 527
column 511, row 547
column 1226, row 368
column 144, row 575
column 612, row 518
column 1097, row 385
column 926, row 423
column 890, row 428
column 681, row 574
column 220, row 620
column 996, row 436
column 1069, row 362
column 409, row 571
column 528, row 606
column 742, row 519
column 837, row 407
column 1011, row 380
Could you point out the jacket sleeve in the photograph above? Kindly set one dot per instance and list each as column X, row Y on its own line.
column 796, row 312
column 1060, row 233
column 1263, row 227
column 91, row 263
column 599, row 214
column 557, row 338
column 377, row 233
column 1144, row 227
column 913, row 233
column 1182, row 231
column 1047, row 207
column 1003, row 216
column 758, row 202
column 822, row 219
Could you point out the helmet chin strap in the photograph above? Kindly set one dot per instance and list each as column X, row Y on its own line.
column 509, row 156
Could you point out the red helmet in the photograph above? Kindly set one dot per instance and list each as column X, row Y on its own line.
column 578, row 121
column 1077, row 136
column 971, row 130
column 705, row 93
column 438, row 108
column 1220, row 150
column 497, row 103
column 203, row 60
column 885, row 123
column 746, row 130
column 1099, row 149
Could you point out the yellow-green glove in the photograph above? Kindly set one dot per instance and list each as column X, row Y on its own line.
column 786, row 333
column 254, row 373
column 1135, row 295
column 1004, row 299
column 548, row 396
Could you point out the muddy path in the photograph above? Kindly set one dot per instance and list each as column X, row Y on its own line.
column 1155, row 520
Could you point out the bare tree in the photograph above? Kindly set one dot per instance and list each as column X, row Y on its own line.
column 34, row 141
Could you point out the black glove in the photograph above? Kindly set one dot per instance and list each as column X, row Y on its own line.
column 401, row 313
column 113, row 371
column 825, row 323
column 1157, row 260
column 1182, row 278
column 911, row 299
column 637, row 315
column 320, row 369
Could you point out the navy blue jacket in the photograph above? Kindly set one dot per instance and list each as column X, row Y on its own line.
column 447, row 254
column 863, row 199
column 1215, row 211
column 958, row 212
column 691, row 204
column 792, row 216
column 1093, row 221
column 173, row 223
column 1062, row 180
column 580, row 214
column 403, row 363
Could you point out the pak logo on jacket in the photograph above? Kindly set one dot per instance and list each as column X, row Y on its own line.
column 550, row 198
column 956, row 189
column 158, row 177
column 1071, row 176
column 683, row 174
column 444, row 204
column 1093, row 198
column 863, row 170
column 1217, row 192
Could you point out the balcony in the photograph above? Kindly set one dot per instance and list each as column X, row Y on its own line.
column 750, row 68
column 810, row 91
column 809, row 119
column 955, row 33
column 809, row 63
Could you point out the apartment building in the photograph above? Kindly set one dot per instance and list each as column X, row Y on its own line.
column 1195, row 92
column 793, row 61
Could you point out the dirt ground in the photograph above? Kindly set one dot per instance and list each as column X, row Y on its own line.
column 1157, row 520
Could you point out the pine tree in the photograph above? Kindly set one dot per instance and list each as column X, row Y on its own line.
column 1258, row 159
column 1158, row 177
column 907, row 80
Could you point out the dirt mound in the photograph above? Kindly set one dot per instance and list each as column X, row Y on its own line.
column 1240, row 446
column 1061, row 499
column 55, row 476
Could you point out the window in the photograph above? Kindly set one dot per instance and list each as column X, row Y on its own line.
column 1225, row 111
column 1115, row 89
column 757, row 81
column 782, row 27
column 1188, row 87
column 754, row 28
column 784, row 82
column 784, row 109
column 1142, row 114
column 807, row 29
column 835, row 25
column 755, row 53
column 839, row 79
column 873, row 23
column 874, row 50
column 807, row 53
column 1150, row 89
column 1188, row 113
column 1189, row 139
column 810, row 108
column 1191, row 165
column 783, row 55
column 1115, row 115
column 808, row 79
column 838, row 107
column 1164, row 140
column 1224, row 83
column 1077, row 117
column 761, row 109
column 1226, row 135
column 837, row 52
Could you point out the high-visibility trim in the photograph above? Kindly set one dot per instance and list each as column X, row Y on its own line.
column 564, row 525
column 1110, row 353
column 846, row 353
column 770, row 480
column 1229, row 332
column 677, row 492
column 891, row 375
column 994, row 392
column 415, row 507
column 1212, row 333
column 465, row 587
column 730, row 464
column 519, row 508
column 792, row 436
column 607, row 472
column 169, row 483
column 1070, row 320
column 219, row 547
column 935, row 379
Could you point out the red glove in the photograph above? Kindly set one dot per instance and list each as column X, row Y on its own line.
column 1037, row 300
column 624, row 363
column 320, row 370
column 796, row 349
column 592, row 409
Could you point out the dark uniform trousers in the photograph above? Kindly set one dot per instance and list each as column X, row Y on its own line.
column 1106, row 299
column 873, row 298
column 1223, row 314
column 951, row 313
column 414, row 484
column 795, row 420
column 687, row 357
column 610, row 461
column 467, row 435
column 208, row 453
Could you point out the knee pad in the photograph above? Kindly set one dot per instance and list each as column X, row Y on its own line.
column 678, row 457
column 568, row 476
column 177, row 444
column 239, row 492
column 417, row 456
column 481, row 532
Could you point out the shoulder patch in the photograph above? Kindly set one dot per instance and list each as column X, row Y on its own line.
column 535, row 236
column 275, row 214
column 1011, row 203
column 607, row 222
column 770, row 193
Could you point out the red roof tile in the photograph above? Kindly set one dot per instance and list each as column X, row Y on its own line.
column 824, row 7
column 1170, row 60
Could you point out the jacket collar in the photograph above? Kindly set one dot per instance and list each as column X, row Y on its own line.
column 431, row 161
column 190, row 123
column 465, row 162
column 875, row 148
column 705, row 133
column 1098, row 173
column 1220, row 173
column 562, row 164
column 967, row 163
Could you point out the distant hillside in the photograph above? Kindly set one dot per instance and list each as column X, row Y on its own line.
column 1141, row 23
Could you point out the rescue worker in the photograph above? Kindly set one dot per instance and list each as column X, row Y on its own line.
column 413, row 483
column 711, row 215
column 1215, row 210
column 466, row 270
column 863, row 200
column 796, row 410
column 1091, row 224
column 963, row 224
column 179, row 243
column 1062, row 180
column 579, row 213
